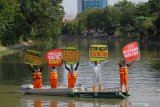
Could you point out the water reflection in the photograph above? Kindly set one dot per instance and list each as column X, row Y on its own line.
column 37, row 103
column 53, row 104
column 43, row 101
column 124, row 103
column 12, row 69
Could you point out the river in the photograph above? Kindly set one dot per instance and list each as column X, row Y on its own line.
column 144, row 76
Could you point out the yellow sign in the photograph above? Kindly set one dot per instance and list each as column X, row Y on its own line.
column 71, row 55
column 98, row 52
column 32, row 57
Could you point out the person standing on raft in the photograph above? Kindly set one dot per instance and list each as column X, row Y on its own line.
column 37, row 75
column 72, row 75
column 53, row 77
column 123, row 69
column 97, row 75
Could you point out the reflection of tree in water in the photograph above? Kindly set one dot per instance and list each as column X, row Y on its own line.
column 45, row 46
column 150, row 53
column 156, row 65
column 12, row 69
column 155, row 62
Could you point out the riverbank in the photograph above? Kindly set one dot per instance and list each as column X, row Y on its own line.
column 5, row 50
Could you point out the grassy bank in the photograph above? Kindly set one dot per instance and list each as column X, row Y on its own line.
column 5, row 50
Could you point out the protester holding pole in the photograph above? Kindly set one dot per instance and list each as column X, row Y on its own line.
column 71, row 57
column 34, row 60
column 98, row 55
column 37, row 75
column 72, row 75
column 54, row 60
column 97, row 74
column 131, row 53
column 123, row 68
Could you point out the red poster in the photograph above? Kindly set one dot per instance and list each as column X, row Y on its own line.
column 54, row 57
column 131, row 52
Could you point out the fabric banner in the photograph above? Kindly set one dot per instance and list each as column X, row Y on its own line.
column 32, row 57
column 131, row 52
column 54, row 57
column 98, row 52
column 71, row 55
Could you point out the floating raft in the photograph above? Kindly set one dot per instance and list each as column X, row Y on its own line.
column 63, row 91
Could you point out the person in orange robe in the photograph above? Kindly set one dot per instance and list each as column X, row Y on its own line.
column 37, row 76
column 123, row 68
column 72, row 75
column 53, row 78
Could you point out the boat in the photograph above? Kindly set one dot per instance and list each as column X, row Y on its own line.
column 45, row 90
column 71, row 92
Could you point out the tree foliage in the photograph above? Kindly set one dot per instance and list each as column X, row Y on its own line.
column 43, row 16
column 8, row 13
column 30, row 19
column 154, row 6
column 111, row 19
column 124, row 18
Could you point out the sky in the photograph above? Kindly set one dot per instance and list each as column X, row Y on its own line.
column 70, row 6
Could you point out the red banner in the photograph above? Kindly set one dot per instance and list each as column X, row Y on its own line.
column 54, row 57
column 131, row 52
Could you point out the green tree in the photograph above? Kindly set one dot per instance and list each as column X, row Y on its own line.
column 97, row 20
column 111, row 19
column 43, row 16
column 154, row 6
column 157, row 25
column 142, row 25
column 8, row 13
column 128, row 12
column 142, row 9
column 70, row 27
column 127, row 19
column 85, row 19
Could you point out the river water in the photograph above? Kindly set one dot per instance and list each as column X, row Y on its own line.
column 144, row 76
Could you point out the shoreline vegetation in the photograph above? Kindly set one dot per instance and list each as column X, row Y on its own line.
column 6, row 50
column 124, row 19
column 22, row 20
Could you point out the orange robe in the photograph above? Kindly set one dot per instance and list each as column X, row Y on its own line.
column 124, row 77
column 37, row 78
column 53, row 79
column 72, row 76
